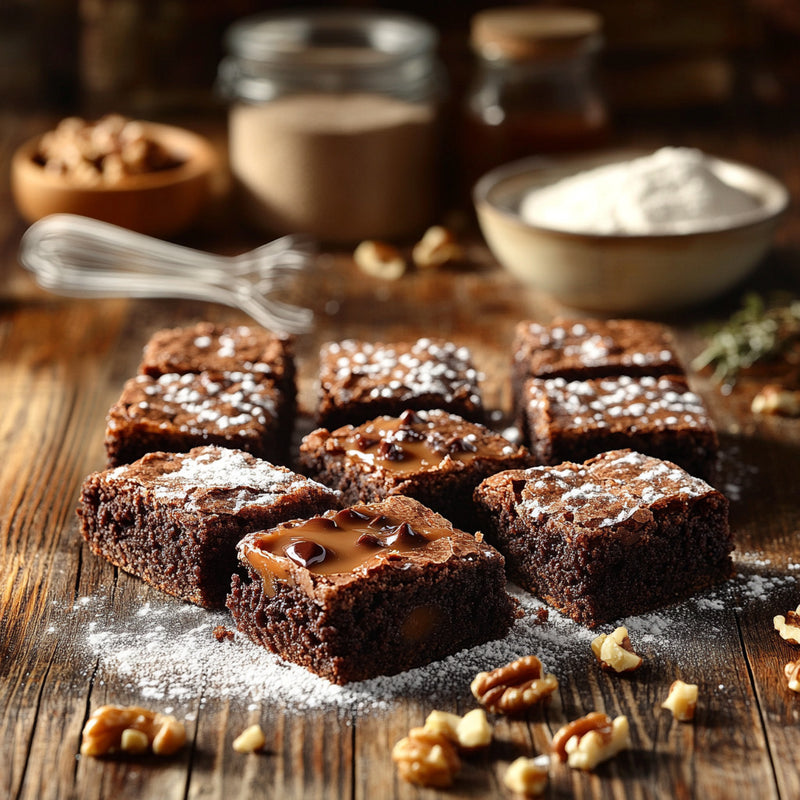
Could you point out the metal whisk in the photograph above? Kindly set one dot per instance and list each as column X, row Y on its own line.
column 82, row 257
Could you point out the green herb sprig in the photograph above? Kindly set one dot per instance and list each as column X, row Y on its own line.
column 753, row 333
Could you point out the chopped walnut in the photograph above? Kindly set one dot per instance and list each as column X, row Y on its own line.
column 250, row 740
column 776, row 399
column 681, row 700
column 527, row 777
column 789, row 626
column 792, row 673
column 470, row 732
column 426, row 758
column 515, row 687
column 104, row 731
column 380, row 259
column 585, row 742
column 437, row 247
column 615, row 652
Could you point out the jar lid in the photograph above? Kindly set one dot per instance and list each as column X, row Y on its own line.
column 533, row 32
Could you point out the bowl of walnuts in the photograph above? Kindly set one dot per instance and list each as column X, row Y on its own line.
column 145, row 176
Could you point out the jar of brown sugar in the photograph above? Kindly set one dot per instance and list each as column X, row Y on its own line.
column 333, row 122
column 534, row 89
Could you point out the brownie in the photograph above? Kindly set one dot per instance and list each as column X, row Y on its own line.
column 174, row 519
column 371, row 590
column 591, row 348
column 175, row 413
column 565, row 420
column 434, row 456
column 621, row 534
column 363, row 380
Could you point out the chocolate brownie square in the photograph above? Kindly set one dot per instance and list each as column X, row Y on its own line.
column 175, row 413
column 174, row 519
column 591, row 348
column 573, row 420
column 363, row 380
column 371, row 590
column 434, row 456
column 620, row 534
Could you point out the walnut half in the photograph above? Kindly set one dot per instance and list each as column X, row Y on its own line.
column 113, row 729
column 470, row 732
column 426, row 758
column 515, row 687
column 586, row 741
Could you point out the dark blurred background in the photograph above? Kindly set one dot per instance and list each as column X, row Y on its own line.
column 151, row 57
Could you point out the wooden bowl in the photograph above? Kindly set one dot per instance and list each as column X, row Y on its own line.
column 159, row 203
column 623, row 274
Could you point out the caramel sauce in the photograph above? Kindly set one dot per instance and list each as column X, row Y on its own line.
column 338, row 542
column 406, row 444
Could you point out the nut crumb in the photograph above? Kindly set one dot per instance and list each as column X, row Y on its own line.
column 250, row 740
column 788, row 626
column 515, row 687
column 615, row 652
column 426, row 758
column 221, row 633
column 437, row 247
column 380, row 259
column 681, row 700
column 589, row 740
column 105, row 729
column 527, row 777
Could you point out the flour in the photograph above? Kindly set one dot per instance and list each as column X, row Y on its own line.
column 674, row 190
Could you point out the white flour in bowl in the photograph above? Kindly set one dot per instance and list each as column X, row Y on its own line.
column 674, row 190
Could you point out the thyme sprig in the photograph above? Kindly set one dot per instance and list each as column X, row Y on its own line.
column 754, row 333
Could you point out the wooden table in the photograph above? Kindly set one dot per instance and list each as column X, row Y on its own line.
column 62, row 364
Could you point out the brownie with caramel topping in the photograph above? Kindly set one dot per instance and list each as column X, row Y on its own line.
column 573, row 420
column 174, row 519
column 371, row 590
column 591, row 348
column 360, row 380
column 434, row 456
column 207, row 384
column 620, row 534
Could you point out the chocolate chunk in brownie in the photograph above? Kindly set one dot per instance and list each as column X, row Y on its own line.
column 371, row 590
column 591, row 348
column 573, row 420
column 434, row 456
column 175, row 413
column 620, row 534
column 174, row 519
column 363, row 380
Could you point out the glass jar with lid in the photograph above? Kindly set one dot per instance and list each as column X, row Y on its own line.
column 534, row 90
column 333, row 122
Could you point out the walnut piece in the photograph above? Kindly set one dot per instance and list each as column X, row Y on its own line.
column 792, row 673
column 426, row 758
column 615, row 652
column 470, row 732
column 380, row 260
column 515, row 687
column 681, row 700
column 250, row 740
column 527, row 776
column 586, row 741
column 108, row 730
column 437, row 247
column 789, row 626
column 776, row 399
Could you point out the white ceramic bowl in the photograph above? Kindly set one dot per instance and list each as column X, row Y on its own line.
column 617, row 274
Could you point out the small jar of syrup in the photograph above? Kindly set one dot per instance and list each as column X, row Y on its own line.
column 534, row 89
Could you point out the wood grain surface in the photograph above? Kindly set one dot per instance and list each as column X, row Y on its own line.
column 62, row 364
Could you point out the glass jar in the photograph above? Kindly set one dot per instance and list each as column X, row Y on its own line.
column 534, row 90
column 333, row 122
